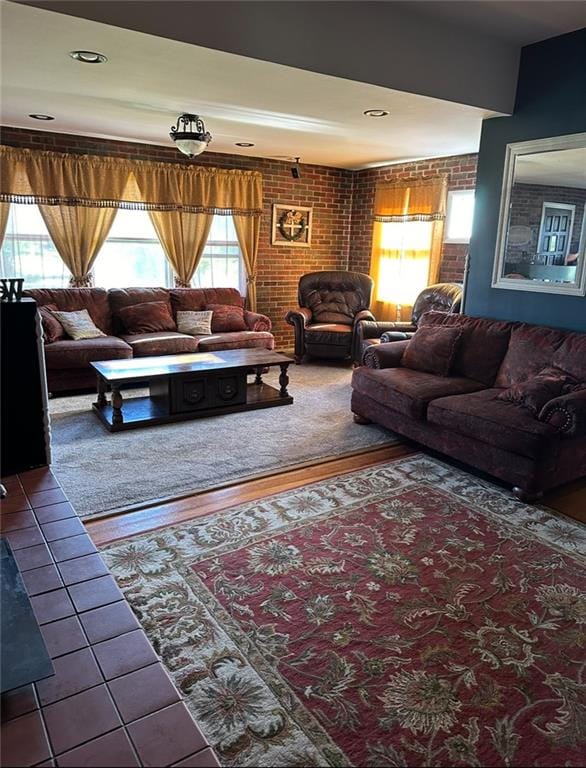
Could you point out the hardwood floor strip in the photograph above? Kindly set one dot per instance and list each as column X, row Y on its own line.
column 570, row 500
column 121, row 526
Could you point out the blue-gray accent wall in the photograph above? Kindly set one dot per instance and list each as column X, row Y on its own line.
column 551, row 101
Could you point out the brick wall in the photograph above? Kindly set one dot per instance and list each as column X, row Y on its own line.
column 328, row 190
column 342, row 209
column 526, row 209
column 461, row 172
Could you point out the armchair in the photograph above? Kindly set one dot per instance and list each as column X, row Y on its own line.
column 442, row 297
column 331, row 305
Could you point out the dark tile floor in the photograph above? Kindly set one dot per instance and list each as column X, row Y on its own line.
column 111, row 701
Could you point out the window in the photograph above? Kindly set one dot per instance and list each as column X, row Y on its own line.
column 459, row 217
column 132, row 254
column 221, row 264
column 404, row 263
column 28, row 251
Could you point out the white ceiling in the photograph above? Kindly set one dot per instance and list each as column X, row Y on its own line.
column 148, row 81
column 563, row 168
column 464, row 51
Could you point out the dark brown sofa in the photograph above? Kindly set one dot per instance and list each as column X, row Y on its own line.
column 68, row 361
column 461, row 414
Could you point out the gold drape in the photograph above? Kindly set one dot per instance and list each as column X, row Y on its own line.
column 248, row 232
column 4, row 213
column 406, row 245
column 54, row 178
column 78, row 234
column 183, row 237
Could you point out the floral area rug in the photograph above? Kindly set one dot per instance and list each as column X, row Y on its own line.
column 408, row 614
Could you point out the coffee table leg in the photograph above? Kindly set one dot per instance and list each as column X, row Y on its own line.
column 117, row 417
column 258, row 377
column 283, row 380
column 101, row 402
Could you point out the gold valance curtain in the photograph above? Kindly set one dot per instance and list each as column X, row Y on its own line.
column 54, row 178
column 419, row 200
column 79, row 194
column 406, row 245
column 166, row 186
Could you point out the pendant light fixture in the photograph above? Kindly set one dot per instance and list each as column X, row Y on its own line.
column 190, row 135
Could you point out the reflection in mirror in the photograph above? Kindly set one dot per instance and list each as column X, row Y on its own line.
column 542, row 241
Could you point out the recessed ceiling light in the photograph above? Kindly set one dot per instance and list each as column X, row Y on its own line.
column 375, row 113
column 42, row 117
column 88, row 57
column 244, row 144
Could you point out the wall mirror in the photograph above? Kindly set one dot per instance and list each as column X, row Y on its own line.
column 541, row 240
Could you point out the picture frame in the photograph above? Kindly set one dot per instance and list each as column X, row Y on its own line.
column 291, row 225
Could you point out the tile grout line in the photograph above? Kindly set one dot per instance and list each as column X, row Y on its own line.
column 123, row 726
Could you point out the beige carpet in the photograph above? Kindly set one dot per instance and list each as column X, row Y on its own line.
column 103, row 472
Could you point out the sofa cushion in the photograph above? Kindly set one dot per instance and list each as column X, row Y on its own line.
column 196, row 299
column 484, row 417
column 530, row 350
column 147, row 317
column 328, row 333
column 227, row 318
column 161, row 343
column 432, row 349
column 237, row 340
column 482, row 348
column 79, row 325
column 67, row 353
column 127, row 297
column 95, row 300
column 570, row 356
column 407, row 391
column 534, row 393
column 52, row 328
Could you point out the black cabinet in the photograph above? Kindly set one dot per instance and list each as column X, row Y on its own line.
column 25, row 440
column 211, row 390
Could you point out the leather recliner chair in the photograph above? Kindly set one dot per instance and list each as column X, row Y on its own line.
column 442, row 297
column 331, row 304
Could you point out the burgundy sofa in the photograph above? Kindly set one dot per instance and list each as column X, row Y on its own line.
column 461, row 414
column 68, row 361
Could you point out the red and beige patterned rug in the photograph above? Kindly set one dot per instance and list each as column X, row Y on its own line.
column 408, row 614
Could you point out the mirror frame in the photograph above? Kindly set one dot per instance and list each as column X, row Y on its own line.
column 578, row 288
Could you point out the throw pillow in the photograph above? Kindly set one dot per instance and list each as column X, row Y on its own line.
column 432, row 349
column 194, row 323
column 535, row 392
column 52, row 328
column 79, row 325
column 147, row 317
column 227, row 318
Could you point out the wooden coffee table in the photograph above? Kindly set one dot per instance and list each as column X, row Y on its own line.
column 188, row 386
